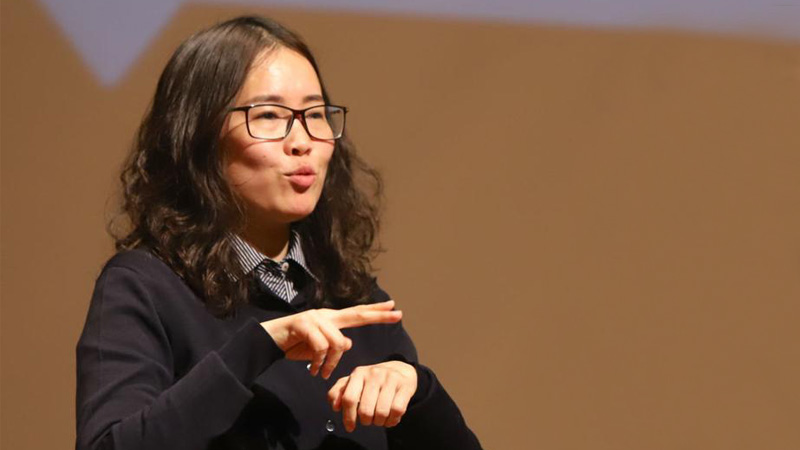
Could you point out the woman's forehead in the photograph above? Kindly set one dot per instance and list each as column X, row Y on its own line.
column 283, row 73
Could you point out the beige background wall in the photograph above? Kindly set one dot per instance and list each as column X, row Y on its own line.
column 595, row 236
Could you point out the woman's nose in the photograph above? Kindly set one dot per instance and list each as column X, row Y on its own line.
column 298, row 142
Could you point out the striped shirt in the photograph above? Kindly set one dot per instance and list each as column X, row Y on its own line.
column 283, row 278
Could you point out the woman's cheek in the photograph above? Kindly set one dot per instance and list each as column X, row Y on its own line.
column 257, row 162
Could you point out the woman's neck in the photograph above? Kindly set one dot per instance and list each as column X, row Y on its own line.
column 272, row 241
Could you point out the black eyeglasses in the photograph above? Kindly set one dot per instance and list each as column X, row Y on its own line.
column 274, row 122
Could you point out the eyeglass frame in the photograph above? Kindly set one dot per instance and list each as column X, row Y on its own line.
column 299, row 114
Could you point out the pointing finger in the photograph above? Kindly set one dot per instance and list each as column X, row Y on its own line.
column 361, row 315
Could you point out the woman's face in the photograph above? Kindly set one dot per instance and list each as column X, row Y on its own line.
column 280, row 181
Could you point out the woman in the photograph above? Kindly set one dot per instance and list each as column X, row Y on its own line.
column 240, row 311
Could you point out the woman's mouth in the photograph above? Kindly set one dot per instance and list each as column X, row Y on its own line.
column 302, row 178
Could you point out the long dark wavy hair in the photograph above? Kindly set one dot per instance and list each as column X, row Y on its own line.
column 179, row 205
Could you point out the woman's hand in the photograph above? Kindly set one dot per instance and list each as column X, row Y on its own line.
column 314, row 335
column 377, row 394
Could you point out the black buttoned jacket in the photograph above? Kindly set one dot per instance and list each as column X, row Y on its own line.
column 156, row 371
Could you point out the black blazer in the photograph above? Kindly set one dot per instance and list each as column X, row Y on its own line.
column 156, row 370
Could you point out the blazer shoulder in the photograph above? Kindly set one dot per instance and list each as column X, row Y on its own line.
column 378, row 294
column 141, row 261
column 140, row 271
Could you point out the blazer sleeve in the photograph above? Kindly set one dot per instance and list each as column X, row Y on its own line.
column 128, row 397
column 432, row 420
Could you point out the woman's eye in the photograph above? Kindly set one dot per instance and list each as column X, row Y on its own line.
column 315, row 115
column 267, row 116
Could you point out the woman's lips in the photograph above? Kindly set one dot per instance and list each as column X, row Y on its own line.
column 302, row 179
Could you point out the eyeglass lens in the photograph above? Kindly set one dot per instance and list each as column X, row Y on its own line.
column 272, row 121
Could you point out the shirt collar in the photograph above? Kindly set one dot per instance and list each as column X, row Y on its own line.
column 249, row 257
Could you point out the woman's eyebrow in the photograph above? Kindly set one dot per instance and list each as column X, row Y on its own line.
column 279, row 99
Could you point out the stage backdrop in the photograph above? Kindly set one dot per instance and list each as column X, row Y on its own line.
column 594, row 233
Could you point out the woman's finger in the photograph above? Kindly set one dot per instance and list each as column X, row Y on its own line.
column 318, row 344
column 357, row 316
column 369, row 397
column 289, row 331
column 387, row 305
column 350, row 399
column 383, row 405
column 338, row 344
column 335, row 393
column 399, row 404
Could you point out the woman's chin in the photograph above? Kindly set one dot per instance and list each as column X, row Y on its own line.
column 281, row 213
column 296, row 214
